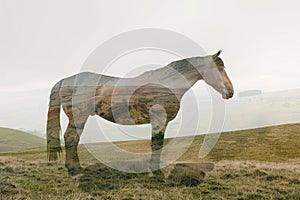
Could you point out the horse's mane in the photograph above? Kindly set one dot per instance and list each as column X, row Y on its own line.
column 182, row 66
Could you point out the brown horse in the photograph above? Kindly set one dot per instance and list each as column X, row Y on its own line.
column 150, row 98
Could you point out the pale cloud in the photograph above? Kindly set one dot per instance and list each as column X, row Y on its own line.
column 45, row 41
column 42, row 42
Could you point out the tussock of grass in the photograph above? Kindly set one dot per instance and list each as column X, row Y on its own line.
column 40, row 180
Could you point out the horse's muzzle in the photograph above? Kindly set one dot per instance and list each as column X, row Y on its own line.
column 228, row 94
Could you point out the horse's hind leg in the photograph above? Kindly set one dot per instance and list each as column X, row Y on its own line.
column 72, row 137
column 158, row 122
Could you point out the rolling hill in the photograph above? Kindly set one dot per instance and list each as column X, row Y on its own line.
column 275, row 143
column 15, row 140
column 249, row 164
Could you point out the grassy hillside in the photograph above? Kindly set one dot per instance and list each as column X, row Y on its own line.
column 250, row 164
column 15, row 140
column 276, row 144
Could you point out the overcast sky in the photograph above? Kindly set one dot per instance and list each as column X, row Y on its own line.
column 44, row 41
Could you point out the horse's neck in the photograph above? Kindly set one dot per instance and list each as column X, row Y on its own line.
column 178, row 76
column 183, row 73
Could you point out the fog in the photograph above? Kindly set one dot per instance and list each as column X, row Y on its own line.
column 45, row 41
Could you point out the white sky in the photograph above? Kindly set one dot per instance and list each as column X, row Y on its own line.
column 44, row 41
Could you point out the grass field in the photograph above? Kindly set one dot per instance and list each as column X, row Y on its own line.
column 13, row 140
column 250, row 164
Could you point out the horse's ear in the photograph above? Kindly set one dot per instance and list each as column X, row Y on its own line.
column 219, row 52
column 216, row 55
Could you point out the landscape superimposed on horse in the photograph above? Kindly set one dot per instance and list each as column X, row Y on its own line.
column 150, row 98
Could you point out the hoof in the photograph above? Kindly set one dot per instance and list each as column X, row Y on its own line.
column 75, row 171
column 157, row 174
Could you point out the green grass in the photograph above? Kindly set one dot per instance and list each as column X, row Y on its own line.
column 250, row 164
column 276, row 143
column 13, row 140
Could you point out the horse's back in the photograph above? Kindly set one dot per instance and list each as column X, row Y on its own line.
column 78, row 91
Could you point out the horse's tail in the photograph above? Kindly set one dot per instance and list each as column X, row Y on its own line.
column 53, row 124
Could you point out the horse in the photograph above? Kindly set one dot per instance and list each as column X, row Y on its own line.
column 152, row 97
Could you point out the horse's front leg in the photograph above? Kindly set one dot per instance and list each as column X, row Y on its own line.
column 157, row 143
column 158, row 125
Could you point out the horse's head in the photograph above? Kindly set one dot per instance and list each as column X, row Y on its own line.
column 214, row 74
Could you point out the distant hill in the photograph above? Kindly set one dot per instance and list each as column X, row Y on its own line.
column 15, row 140
column 250, row 93
column 274, row 143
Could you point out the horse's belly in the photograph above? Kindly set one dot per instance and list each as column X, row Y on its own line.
column 130, row 109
